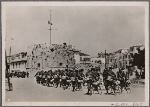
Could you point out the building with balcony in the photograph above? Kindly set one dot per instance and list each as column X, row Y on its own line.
column 81, row 58
column 18, row 62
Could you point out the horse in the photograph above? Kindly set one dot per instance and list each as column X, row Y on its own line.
column 96, row 87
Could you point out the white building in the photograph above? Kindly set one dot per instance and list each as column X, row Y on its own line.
column 81, row 58
column 18, row 62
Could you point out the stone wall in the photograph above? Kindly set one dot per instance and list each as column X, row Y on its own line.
column 44, row 57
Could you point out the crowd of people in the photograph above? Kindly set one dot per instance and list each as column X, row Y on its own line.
column 18, row 74
column 92, row 79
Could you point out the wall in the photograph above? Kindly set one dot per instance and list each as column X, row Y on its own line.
column 77, row 58
column 21, row 67
column 18, row 61
column 50, row 57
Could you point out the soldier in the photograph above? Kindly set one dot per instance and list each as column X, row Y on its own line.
column 138, row 72
column 74, row 83
column 89, row 84
column 56, row 80
column 108, row 77
column 64, row 77
column 121, row 77
column 105, row 76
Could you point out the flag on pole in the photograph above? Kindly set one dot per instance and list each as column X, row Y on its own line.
column 48, row 22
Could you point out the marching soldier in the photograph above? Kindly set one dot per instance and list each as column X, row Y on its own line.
column 121, row 77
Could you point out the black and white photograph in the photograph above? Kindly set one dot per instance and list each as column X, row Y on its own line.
column 75, row 53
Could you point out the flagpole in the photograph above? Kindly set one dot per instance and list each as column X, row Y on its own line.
column 8, row 71
column 7, row 74
column 50, row 27
column 50, row 22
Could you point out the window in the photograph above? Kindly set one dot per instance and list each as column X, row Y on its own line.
column 19, row 64
column 22, row 55
column 27, row 64
column 16, row 65
column 67, row 61
column 38, row 65
column 60, row 64
column 13, row 65
column 80, row 58
column 128, row 56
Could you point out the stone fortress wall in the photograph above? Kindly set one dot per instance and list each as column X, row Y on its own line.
column 41, row 56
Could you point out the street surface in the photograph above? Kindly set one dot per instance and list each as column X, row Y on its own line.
column 27, row 90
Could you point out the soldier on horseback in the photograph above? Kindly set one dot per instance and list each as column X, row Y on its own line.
column 108, row 77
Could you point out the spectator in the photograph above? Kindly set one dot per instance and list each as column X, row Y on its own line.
column 27, row 74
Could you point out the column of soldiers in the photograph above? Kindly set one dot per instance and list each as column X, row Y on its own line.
column 19, row 74
column 92, row 79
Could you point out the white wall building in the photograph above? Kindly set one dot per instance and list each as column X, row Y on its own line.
column 18, row 62
column 81, row 58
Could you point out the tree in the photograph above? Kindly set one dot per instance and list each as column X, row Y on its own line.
column 139, row 58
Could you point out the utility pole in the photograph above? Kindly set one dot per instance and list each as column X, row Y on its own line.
column 105, row 59
column 8, row 71
column 7, row 74
column 50, row 27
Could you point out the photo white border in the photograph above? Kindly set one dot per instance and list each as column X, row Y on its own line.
column 76, row 3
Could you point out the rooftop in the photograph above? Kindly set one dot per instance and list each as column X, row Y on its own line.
column 140, row 45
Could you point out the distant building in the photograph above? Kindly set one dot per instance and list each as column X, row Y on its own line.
column 122, row 58
column 98, row 60
column 135, row 49
column 101, row 55
column 62, row 56
column 109, row 60
column 18, row 62
column 81, row 58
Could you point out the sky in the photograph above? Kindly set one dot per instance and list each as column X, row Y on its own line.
column 91, row 29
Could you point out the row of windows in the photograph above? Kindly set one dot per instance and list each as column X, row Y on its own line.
column 18, row 64
column 120, row 64
column 84, row 59
column 111, row 60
